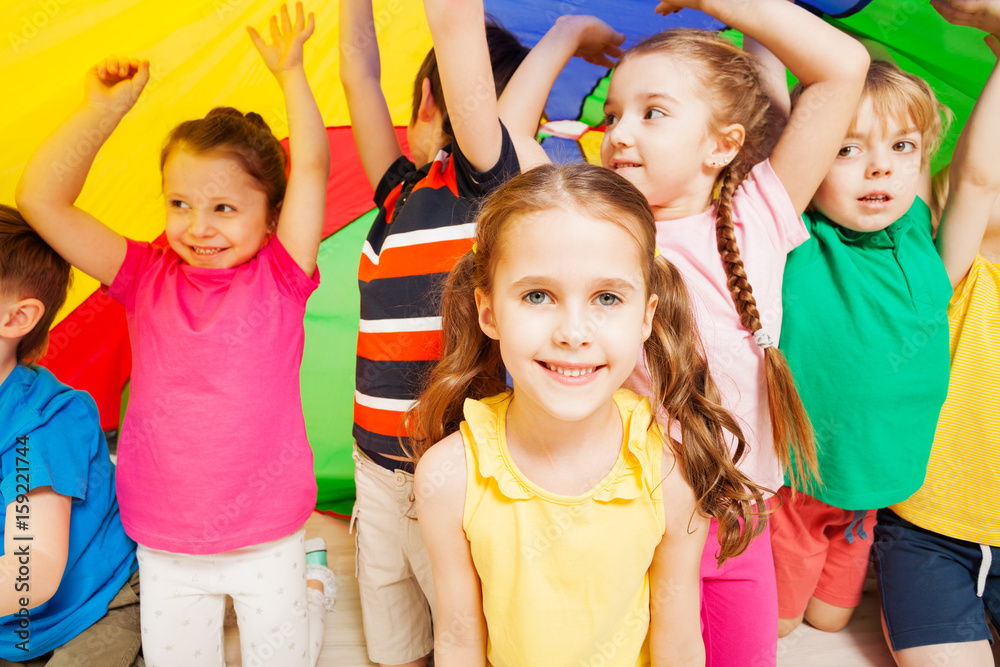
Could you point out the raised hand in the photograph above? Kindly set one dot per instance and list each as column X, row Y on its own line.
column 285, row 51
column 599, row 42
column 667, row 7
column 115, row 83
column 982, row 14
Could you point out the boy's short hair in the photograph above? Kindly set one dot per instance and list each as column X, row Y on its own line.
column 904, row 97
column 30, row 269
column 506, row 54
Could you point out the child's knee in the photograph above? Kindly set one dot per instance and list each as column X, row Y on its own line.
column 787, row 625
column 827, row 617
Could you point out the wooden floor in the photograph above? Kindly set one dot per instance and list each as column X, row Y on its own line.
column 860, row 645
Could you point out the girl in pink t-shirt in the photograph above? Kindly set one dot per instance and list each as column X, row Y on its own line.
column 215, row 475
column 687, row 122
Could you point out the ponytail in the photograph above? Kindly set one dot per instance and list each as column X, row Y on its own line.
column 683, row 386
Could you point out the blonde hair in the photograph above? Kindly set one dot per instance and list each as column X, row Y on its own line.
column 904, row 98
column 471, row 365
column 730, row 78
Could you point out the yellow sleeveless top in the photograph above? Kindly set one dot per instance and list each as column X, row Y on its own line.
column 565, row 579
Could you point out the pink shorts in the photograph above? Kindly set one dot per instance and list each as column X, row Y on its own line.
column 819, row 550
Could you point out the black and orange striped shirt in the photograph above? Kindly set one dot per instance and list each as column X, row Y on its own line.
column 424, row 225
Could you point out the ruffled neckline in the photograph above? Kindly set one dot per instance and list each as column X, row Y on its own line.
column 630, row 476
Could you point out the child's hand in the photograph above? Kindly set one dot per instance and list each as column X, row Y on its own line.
column 598, row 42
column 115, row 83
column 286, row 51
column 982, row 14
column 668, row 7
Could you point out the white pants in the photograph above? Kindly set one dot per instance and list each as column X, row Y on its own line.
column 183, row 600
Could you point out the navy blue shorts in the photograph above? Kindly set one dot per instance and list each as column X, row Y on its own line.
column 928, row 583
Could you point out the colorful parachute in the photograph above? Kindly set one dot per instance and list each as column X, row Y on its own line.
column 201, row 57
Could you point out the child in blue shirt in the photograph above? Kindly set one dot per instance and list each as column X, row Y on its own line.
column 68, row 575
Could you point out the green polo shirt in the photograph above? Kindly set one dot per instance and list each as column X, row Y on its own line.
column 865, row 331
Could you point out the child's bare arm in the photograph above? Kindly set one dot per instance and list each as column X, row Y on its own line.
column 523, row 100
column 439, row 487
column 360, row 74
column 830, row 64
column 55, row 174
column 674, row 576
column 458, row 28
column 300, row 223
column 975, row 172
column 44, row 555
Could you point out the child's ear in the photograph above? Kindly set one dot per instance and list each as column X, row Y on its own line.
column 486, row 320
column 728, row 143
column 272, row 223
column 647, row 320
column 17, row 319
column 428, row 107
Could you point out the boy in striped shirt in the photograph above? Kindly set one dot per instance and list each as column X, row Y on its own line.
column 460, row 153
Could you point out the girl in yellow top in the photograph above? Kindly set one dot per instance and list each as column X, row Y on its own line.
column 562, row 527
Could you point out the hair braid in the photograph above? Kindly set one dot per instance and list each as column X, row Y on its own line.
column 736, row 276
column 790, row 425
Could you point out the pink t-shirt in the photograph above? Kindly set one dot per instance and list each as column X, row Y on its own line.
column 767, row 229
column 213, row 453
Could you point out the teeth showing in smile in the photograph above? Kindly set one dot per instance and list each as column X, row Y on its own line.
column 570, row 372
column 874, row 199
column 207, row 251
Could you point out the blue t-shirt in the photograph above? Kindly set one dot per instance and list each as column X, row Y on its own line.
column 53, row 432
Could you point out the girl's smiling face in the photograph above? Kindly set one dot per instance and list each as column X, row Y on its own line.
column 570, row 310
column 217, row 214
column 658, row 133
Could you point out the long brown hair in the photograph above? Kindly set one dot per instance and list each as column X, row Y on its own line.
column 731, row 81
column 471, row 366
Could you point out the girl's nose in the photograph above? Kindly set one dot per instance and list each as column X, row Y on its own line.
column 198, row 225
column 619, row 134
column 575, row 329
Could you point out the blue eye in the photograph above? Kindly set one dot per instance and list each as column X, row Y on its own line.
column 608, row 299
column 536, row 297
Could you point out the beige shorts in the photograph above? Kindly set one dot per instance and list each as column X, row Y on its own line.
column 392, row 566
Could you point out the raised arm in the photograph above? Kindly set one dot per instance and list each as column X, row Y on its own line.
column 523, row 100
column 439, row 487
column 830, row 64
column 458, row 28
column 774, row 80
column 300, row 223
column 975, row 173
column 55, row 174
column 361, row 74
column 674, row 576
